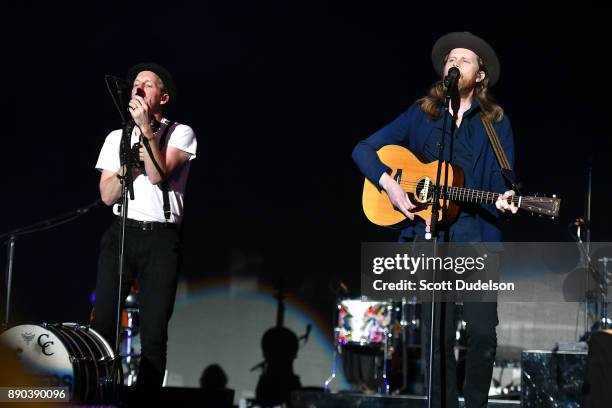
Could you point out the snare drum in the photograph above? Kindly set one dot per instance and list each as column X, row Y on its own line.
column 66, row 355
column 363, row 322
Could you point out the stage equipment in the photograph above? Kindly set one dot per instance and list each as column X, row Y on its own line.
column 66, row 355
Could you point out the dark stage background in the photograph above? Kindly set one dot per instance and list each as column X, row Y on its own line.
column 278, row 94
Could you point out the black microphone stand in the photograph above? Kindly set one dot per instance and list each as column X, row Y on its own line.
column 30, row 229
column 587, row 235
column 127, row 193
column 439, row 191
column 585, row 252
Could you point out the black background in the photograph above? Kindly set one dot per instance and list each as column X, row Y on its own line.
column 278, row 94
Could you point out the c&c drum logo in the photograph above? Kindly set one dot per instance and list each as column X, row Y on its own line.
column 44, row 345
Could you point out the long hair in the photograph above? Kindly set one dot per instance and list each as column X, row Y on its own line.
column 431, row 102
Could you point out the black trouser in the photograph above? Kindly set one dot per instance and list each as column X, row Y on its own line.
column 152, row 257
column 481, row 320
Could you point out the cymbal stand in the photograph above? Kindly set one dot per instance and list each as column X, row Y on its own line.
column 604, row 322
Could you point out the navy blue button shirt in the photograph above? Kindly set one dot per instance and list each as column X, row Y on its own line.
column 471, row 150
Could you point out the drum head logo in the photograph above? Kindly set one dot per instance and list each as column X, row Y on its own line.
column 27, row 337
column 44, row 344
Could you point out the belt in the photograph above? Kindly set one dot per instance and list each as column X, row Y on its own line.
column 147, row 225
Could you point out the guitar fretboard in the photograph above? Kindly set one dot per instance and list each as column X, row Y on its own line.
column 471, row 195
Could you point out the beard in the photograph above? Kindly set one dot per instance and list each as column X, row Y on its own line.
column 466, row 85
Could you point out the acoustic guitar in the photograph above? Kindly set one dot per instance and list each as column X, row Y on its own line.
column 418, row 179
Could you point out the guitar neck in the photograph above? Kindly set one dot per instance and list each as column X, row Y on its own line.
column 468, row 195
column 539, row 205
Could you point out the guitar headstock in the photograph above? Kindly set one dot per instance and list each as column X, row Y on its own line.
column 548, row 206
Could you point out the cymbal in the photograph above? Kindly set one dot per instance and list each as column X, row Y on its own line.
column 575, row 285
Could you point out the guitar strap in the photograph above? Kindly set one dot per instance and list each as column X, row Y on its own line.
column 502, row 159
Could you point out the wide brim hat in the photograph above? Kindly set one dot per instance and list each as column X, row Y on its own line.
column 467, row 40
column 160, row 71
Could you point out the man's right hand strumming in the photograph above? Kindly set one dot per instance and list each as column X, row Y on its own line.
column 397, row 195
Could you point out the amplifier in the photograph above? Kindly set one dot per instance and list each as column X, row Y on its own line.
column 552, row 378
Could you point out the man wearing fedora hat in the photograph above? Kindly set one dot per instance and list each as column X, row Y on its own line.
column 467, row 145
column 164, row 150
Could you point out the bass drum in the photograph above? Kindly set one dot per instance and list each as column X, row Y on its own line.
column 66, row 355
column 362, row 322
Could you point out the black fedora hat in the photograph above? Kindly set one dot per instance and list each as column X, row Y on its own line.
column 467, row 40
column 158, row 70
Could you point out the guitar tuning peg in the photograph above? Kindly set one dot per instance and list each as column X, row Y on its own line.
column 554, row 196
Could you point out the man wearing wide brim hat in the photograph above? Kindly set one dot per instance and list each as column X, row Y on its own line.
column 480, row 47
column 161, row 156
column 467, row 145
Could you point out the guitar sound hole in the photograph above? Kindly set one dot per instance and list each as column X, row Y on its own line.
column 424, row 190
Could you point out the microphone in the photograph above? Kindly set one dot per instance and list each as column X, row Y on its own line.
column 452, row 77
column 120, row 82
column 577, row 222
column 83, row 210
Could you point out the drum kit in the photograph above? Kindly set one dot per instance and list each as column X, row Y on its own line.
column 130, row 338
column 371, row 337
column 66, row 355
column 77, row 357
column 378, row 344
